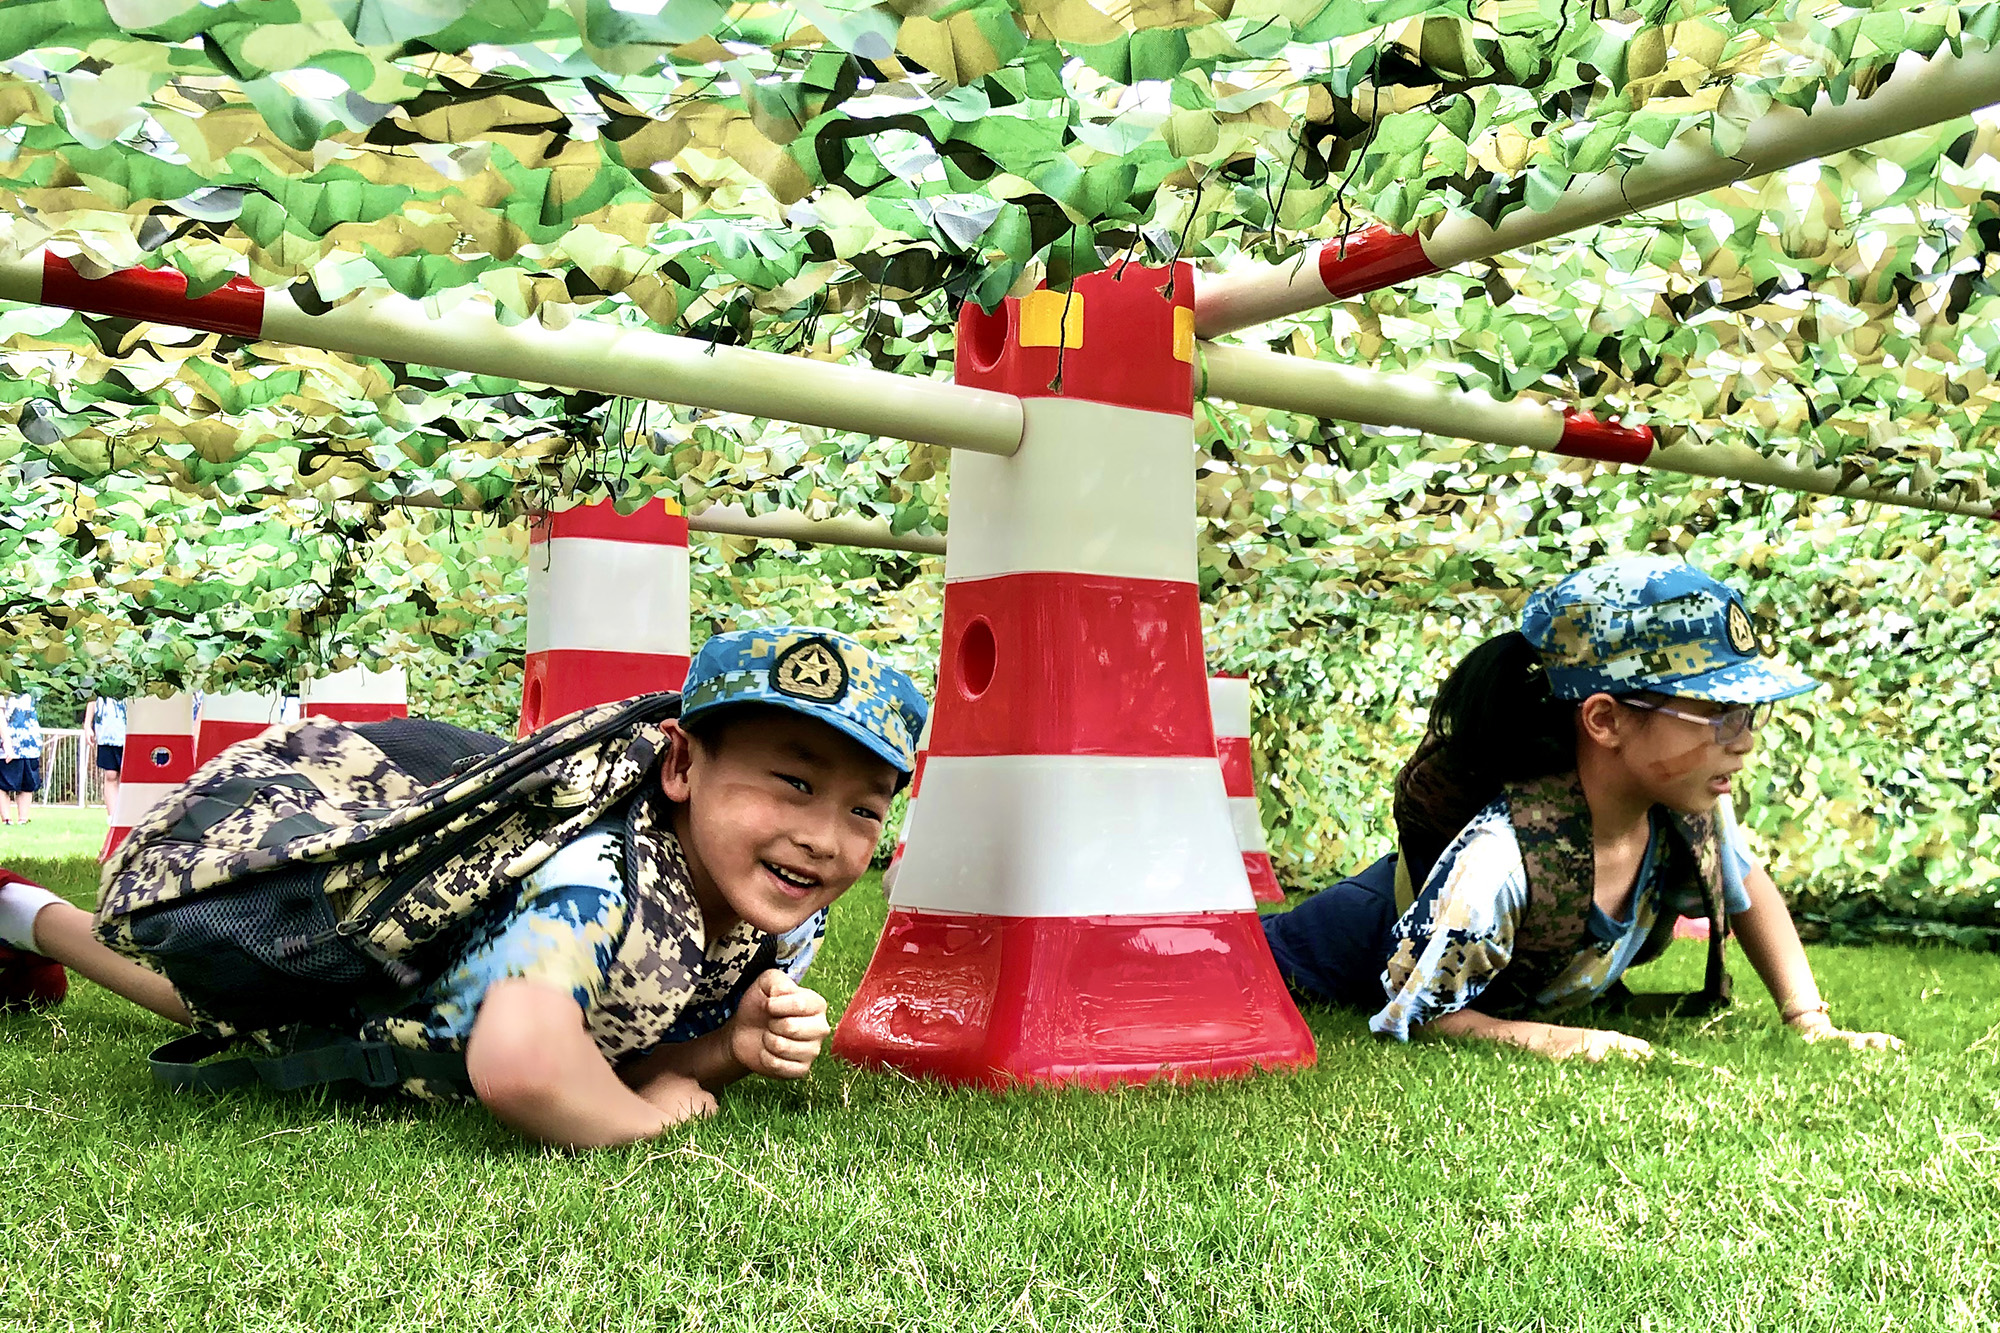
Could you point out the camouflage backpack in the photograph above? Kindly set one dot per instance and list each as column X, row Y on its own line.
column 1551, row 819
column 321, row 874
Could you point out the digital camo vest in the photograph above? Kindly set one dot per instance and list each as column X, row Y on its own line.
column 310, row 881
column 1551, row 822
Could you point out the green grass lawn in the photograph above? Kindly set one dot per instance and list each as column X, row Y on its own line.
column 54, row 832
column 1759, row 1184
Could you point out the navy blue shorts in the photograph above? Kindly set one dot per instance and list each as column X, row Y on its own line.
column 1332, row 947
column 110, row 758
column 20, row 775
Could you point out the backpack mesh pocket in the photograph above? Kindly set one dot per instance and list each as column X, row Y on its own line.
column 262, row 953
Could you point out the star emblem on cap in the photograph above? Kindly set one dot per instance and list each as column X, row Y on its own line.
column 810, row 670
column 1742, row 635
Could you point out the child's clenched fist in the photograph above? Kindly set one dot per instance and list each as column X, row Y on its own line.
column 779, row 1027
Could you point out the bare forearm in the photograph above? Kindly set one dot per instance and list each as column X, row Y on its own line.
column 1553, row 1040
column 707, row 1060
column 64, row 933
column 598, row 1116
column 535, row 1067
column 1471, row 1025
column 1771, row 942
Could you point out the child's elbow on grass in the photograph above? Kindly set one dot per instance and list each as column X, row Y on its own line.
column 532, row 1064
column 514, row 1074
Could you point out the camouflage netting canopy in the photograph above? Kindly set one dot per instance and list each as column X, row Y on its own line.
column 831, row 178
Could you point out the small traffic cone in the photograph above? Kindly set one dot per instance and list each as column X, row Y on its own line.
column 607, row 608
column 357, row 695
column 159, row 756
column 1229, row 702
column 1072, row 905
column 230, row 717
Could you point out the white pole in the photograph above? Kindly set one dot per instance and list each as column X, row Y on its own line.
column 731, row 520
column 793, row 526
column 1344, row 393
column 1918, row 92
column 1739, row 462
column 1348, row 393
column 589, row 354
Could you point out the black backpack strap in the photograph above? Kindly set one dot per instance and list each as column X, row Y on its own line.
column 184, row 1065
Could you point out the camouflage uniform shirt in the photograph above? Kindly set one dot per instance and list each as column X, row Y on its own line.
column 1459, row 933
column 563, row 931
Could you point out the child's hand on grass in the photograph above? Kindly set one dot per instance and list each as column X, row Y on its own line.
column 678, row 1098
column 1817, row 1027
column 779, row 1027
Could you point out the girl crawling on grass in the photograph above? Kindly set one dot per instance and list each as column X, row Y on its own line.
column 1567, row 805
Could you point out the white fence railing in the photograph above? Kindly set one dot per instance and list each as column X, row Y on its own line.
column 69, row 776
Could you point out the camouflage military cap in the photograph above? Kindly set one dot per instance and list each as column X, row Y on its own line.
column 1653, row 623
column 819, row 672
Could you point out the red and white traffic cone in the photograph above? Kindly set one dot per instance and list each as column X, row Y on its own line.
column 909, row 809
column 357, row 695
column 231, row 717
column 159, row 755
column 607, row 608
column 1229, row 704
column 1072, row 906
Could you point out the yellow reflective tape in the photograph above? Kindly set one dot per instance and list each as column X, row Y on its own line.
column 1183, row 333
column 1043, row 313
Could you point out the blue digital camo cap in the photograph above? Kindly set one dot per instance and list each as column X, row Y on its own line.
column 1653, row 623
column 819, row 672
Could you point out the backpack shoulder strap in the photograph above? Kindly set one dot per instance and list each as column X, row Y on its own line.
column 1692, row 852
column 1551, row 822
column 184, row 1065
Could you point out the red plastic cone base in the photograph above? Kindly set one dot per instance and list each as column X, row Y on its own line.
column 1264, row 884
column 1096, row 1001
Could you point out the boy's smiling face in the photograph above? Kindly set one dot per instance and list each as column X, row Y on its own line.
column 779, row 814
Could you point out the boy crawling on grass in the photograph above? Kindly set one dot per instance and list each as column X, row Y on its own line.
column 790, row 744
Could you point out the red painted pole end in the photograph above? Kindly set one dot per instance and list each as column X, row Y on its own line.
column 1584, row 436
column 1371, row 260
column 155, row 294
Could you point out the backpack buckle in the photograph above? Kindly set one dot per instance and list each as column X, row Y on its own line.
column 378, row 1065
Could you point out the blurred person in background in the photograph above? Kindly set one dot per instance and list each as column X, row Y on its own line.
column 104, row 738
column 20, row 757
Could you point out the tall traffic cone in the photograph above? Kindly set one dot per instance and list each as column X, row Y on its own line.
column 230, row 717
column 1229, row 704
column 607, row 608
column 159, row 755
column 1072, row 905
column 909, row 809
column 357, row 695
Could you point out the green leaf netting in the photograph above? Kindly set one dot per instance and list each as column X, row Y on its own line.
column 832, row 178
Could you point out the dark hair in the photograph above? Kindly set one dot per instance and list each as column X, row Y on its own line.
column 1494, row 722
column 709, row 729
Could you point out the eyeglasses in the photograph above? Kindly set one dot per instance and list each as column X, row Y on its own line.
column 1730, row 725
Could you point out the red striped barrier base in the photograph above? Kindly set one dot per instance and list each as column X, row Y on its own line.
column 1264, row 884
column 998, row 1001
